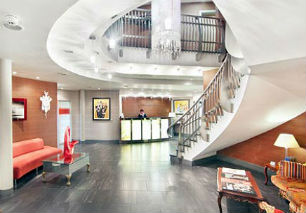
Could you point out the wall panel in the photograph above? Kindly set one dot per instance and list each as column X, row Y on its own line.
column 153, row 107
column 36, row 125
column 260, row 149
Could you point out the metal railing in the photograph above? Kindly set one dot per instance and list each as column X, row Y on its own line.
column 207, row 108
column 198, row 34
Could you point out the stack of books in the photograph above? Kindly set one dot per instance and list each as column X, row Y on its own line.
column 236, row 180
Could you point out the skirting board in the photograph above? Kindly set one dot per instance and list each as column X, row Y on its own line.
column 202, row 162
column 100, row 141
column 241, row 163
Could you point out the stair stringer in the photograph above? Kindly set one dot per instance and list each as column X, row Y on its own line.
column 193, row 153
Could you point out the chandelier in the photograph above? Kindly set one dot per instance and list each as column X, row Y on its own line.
column 166, row 27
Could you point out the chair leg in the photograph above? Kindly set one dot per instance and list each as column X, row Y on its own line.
column 15, row 184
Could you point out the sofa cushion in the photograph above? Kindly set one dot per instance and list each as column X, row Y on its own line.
column 29, row 161
column 23, row 147
column 292, row 170
column 285, row 183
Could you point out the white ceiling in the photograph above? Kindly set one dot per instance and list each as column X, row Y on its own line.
column 28, row 51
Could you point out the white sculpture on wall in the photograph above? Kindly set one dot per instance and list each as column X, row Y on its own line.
column 45, row 102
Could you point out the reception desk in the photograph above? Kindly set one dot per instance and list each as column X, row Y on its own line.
column 144, row 130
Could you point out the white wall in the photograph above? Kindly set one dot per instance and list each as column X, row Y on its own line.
column 102, row 130
column 74, row 98
column 194, row 8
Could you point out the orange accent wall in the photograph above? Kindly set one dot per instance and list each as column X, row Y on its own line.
column 208, row 76
column 153, row 107
column 260, row 149
column 36, row 124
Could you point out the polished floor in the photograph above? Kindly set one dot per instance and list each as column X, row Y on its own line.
column 131, row 178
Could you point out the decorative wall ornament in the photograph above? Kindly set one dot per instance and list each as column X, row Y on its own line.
column 45, row 102
column 166, row 27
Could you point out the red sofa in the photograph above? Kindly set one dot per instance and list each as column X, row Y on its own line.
column 28, row 155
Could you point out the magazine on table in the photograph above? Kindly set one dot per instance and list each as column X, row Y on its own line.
column 239, row 187
column 234, row 171
column 235, row 176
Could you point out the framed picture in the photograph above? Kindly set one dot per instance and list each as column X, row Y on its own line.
column 180, row 106
column 19, row 109
column 101, row 109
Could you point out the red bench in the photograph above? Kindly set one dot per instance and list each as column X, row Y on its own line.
column 28, row 155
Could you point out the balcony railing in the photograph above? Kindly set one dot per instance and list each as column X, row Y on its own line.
column 198, row 34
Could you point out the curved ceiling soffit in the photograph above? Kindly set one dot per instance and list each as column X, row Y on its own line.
column 68, row 42
column 258, row 29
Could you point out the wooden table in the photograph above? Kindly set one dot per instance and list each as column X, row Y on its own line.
column 239, row 196
column 272, row 168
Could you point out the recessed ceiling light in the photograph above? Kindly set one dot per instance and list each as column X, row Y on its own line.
column 187, row 83
column 96, row 69
column 14, row 73
column 109, row 76
column 99, row 88
column 37, row 77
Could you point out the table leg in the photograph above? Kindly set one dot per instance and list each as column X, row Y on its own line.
column 219, row 201
column 266, row 175
column 43, row 175
column 68, row 180
column 88, row 167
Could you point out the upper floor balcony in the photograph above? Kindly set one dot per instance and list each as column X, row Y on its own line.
column 199, row 35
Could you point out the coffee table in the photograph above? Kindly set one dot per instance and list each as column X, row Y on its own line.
column 58, row 164
column 255, row 197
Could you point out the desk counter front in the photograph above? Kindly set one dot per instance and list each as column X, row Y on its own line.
column 144, row 130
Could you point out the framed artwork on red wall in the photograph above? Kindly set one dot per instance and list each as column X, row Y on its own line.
column 19, row 109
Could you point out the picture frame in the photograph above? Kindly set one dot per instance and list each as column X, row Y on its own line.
column 19, row 109
column 101, row 109
column 180, row 106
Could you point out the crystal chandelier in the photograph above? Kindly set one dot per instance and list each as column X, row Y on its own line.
column 166, row 27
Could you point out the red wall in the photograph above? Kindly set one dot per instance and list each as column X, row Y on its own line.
column 36, row 124
column 153, row 107
column 260, row 149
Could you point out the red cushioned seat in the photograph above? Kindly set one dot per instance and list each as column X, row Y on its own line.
column 29, row 154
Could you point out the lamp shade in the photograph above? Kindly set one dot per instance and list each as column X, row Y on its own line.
column 286, row 141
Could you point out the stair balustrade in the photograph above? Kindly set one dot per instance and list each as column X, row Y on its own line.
column 208, row 109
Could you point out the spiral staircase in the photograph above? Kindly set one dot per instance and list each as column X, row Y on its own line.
column 261, row 80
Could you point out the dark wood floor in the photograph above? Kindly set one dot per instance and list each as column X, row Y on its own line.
column 131, row 178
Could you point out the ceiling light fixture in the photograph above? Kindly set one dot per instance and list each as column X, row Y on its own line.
column 93, row 59
column 11, row 22
column 112, row 43
column 96, row 69
column 37, row 77
column 109, row 76
column 14, row 73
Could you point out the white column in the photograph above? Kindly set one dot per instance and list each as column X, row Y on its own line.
column 82, row 115
column 6, row 136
